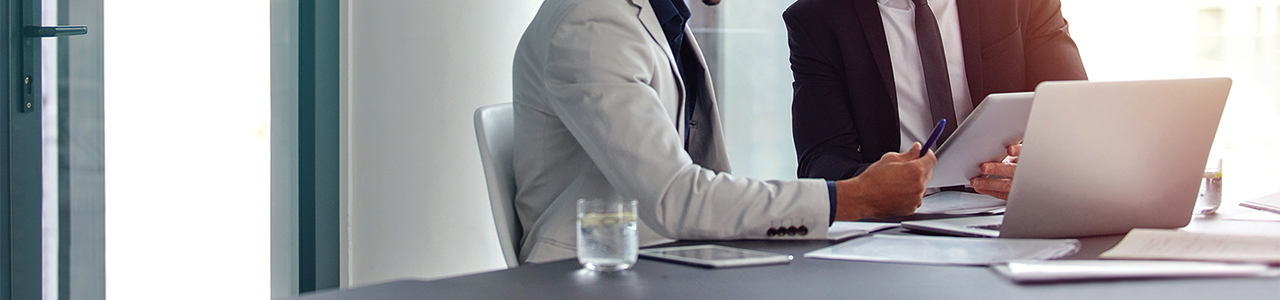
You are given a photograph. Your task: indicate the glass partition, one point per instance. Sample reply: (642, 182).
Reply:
(745, 42)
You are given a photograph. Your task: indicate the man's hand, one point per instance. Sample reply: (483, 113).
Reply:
(892, 186)
(997, 177)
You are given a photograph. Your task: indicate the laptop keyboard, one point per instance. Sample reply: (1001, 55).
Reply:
(995, 227)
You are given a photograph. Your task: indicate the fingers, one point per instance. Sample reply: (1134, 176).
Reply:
(1014, 149)
(910, 154)
(998, 169)
(924, 164)
(891, 157)
(1001, 185)
(929, 160)
(997, 194)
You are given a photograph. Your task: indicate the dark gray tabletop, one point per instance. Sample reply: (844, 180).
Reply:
(803, 278)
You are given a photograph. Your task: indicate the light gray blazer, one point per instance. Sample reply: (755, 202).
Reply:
(598, 113)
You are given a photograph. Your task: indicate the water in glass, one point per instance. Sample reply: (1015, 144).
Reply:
(607, 239)
(1210, 196)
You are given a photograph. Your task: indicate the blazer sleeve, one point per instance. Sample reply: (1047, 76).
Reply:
(822, 120)
(600, 66)
(1051, 54)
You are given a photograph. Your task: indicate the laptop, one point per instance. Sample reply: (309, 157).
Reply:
(1105, 157)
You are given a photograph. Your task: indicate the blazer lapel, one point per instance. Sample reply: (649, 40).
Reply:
(971, 38)
(706, 142)
(650, 22)
(868, 14)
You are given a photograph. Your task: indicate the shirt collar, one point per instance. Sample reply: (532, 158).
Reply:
(665, 10)
(898, 4)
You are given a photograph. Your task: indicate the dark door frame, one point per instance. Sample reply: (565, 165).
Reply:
(318, 179)
(20, 167)
(305, 178)
(316, 143)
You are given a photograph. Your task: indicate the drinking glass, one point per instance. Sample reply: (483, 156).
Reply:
(1210, 188)
(607, 239)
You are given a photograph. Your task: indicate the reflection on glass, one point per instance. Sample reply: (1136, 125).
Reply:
(746, 48)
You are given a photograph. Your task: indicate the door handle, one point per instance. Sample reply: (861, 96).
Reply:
(30, 58)
(54, 31)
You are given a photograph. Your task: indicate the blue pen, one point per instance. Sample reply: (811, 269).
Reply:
(933, 137)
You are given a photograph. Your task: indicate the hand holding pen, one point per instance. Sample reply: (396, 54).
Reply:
(933, 137)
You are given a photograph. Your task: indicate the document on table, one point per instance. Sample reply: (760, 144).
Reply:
(843, 230)
(1077, 270)
(960, 203)
(1256, 216)
(1169, 244)
(1269, 203)
(939, 250)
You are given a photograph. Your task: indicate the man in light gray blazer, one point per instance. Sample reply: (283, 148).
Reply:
(612, 97)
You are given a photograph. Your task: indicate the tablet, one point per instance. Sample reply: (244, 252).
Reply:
(1000, 121)
(715, 256)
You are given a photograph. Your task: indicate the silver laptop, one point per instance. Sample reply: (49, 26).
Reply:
(1105, 157)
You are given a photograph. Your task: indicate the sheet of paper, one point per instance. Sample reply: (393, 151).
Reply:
(1269, 203)
(1142, 243)
(843, 230)
(939, 250)
(1256, 216)
(960, 203)
(1076, 270)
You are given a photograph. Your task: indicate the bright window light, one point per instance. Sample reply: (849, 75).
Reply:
(187, 109)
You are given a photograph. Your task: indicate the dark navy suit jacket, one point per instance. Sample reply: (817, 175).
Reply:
(844, 112)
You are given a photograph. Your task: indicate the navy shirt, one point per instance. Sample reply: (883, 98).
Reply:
(674, 15)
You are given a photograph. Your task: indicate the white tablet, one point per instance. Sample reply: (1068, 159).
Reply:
(1000, 121)
(715, 256)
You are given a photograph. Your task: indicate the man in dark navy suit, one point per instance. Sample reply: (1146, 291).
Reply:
(874, 76)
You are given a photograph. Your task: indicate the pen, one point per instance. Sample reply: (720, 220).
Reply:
(933, 137)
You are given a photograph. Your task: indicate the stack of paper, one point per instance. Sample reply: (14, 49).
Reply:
(1160, 249)
(1169, 244)
(945, 250)
(1269, 203)
(844, 230)
(1076, 270)
(960, 203)
(1257, 215)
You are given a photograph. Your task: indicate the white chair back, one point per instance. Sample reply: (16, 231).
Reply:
(494, 127)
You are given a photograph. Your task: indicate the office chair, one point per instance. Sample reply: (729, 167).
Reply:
(494, 126)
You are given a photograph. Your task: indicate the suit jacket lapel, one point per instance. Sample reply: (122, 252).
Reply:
(868, 14)
(650, 22)
(971, 38)
(706, 142)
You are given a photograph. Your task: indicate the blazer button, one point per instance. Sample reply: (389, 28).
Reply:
(791, 231)
(772, 232)
(804, 230)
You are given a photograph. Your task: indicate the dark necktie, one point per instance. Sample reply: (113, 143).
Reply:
(936, 80)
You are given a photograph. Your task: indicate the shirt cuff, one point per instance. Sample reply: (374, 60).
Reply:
(831, 191)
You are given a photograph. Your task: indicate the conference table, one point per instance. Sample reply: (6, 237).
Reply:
(807, 278)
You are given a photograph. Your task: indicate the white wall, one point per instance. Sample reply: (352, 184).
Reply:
(417, 70)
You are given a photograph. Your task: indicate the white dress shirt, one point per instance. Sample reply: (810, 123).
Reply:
(915, 120)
